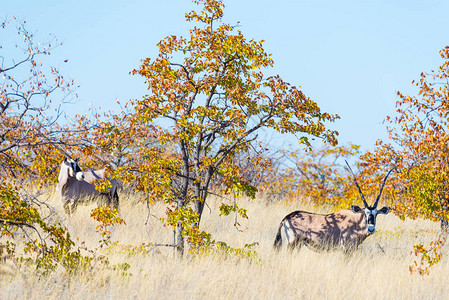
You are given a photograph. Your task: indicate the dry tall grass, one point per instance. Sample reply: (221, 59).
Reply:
(379, 269)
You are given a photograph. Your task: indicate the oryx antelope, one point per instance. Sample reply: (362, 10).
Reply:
(345, 229)
(74, 186)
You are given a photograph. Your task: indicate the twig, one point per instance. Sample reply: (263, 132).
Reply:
(20, 224)
(149, 213)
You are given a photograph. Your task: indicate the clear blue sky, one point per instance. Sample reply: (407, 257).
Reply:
(349, 56)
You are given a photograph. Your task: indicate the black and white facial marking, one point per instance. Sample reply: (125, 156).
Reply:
(74, 168)
(370, 215)
(371, 212)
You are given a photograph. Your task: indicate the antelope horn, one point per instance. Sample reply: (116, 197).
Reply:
(62, 150)
(355, 181)
(382, 187)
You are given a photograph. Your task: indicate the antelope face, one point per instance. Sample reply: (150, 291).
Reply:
(370, 215)
(74, 169)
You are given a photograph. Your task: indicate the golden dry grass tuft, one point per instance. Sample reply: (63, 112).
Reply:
(379, 269)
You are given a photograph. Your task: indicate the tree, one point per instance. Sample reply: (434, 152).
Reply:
(30, 139)
(420, 150)
(30, 97)
(210, 96)
(420, 146)
(319, 176)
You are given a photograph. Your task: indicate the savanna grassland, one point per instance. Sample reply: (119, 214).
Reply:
(212, 96)
(379, 269)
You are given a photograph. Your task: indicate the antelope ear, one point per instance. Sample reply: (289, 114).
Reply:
(356, 209)
(384, 210)
(65, 159)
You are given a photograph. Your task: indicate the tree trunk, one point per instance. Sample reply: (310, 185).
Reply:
(181, 202)
(443, 220)
(201, 193)
(179, 240)
(200, 199)
(198, 208)
(178, 232)
(444, 223)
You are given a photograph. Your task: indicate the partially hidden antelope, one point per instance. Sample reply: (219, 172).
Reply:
(345, 229)
(75, 186)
